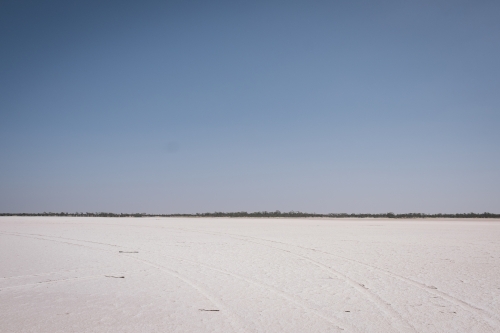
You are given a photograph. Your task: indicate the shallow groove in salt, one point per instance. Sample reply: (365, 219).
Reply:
(62, 274)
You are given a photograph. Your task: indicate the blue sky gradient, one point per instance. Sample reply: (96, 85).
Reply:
(185, 107)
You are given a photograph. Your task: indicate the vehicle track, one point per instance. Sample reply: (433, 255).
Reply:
(267, 287)
(65, 238)
(234, 321)
(290, 298)
(76, 279)
(394, 318)
(36, 275)
(482, 313)
(488, 317)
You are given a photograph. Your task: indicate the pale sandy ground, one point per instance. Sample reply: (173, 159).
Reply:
(262, 275)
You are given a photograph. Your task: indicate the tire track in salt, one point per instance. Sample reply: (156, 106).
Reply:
(51, 240)
(75, 279)
(395, 318)
(280, 293)
(486, 315)
(234, 321)
(16, 277)
(491, 319)
(482, 313)
(36, 275)
(288, 297)
(397, 321)
(65, 238)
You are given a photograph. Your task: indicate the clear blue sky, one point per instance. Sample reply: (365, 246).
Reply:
(196, 106)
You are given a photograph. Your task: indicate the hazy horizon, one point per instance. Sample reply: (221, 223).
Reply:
(192, 107)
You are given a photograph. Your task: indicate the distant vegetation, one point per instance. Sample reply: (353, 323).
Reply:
(266, 214)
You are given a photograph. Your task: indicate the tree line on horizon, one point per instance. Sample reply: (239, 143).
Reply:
(264, 214)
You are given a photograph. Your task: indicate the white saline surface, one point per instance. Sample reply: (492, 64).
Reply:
(62, 274)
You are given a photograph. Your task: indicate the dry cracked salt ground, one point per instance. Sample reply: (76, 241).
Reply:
(62, 274)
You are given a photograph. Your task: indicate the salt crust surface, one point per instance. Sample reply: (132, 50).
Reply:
(62, 274)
